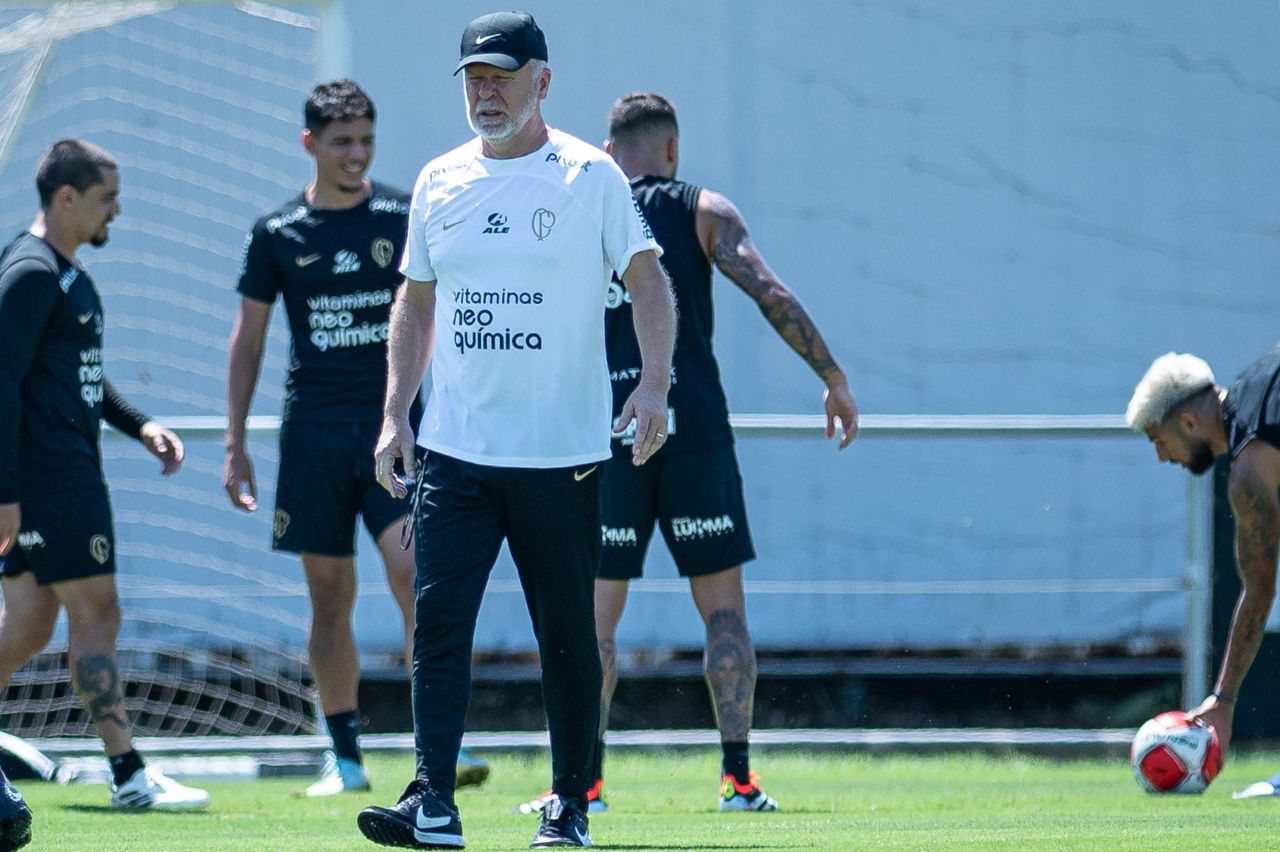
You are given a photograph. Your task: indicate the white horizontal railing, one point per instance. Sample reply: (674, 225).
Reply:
(812, 425)
(1195, 581)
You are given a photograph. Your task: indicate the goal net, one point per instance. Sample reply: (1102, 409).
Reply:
(201, 105)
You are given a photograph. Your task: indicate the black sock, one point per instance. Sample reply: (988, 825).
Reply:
(599, 764)
(125, 766)
(344, 728)
(736, 761)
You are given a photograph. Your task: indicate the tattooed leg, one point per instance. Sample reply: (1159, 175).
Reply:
(729, 661)
(730, 667)
(97, 682)
(93, 622)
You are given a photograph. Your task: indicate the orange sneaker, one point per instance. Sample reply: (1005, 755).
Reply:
(744, 797)
(595, 801)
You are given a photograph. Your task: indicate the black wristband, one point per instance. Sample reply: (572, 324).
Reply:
(1223, 699)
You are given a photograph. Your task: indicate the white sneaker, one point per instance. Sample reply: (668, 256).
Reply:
(151, 788)
(339, 775)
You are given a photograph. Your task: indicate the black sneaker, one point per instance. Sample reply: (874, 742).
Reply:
(15, 817)
(564, 823)
(418, 821)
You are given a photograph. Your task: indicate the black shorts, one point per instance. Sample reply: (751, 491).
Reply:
(64, 536)
(325, 480)
(696, 499)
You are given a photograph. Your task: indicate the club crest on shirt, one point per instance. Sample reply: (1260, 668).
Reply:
(383, 252)
(100, 549)
(542, 223)
(281, 524)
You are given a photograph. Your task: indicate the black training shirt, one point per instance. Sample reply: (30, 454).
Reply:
(699, 413)
(1252, 407)
(51, 383)
(338, 271)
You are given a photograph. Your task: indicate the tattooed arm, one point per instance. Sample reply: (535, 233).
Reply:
(724, 237)
(1253, 492)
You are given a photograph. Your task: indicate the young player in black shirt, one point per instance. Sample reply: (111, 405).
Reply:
(691, 488)
(1191, 421)
(331, 254)
(53, 500)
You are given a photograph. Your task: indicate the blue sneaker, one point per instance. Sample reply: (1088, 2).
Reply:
(472, 771)
(339, 775)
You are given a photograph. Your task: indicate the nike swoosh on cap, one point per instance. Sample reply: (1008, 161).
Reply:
(490, 37)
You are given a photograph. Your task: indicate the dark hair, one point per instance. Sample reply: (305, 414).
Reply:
(71, 162)
(1203, 401)
(337, 100)
(640, 111)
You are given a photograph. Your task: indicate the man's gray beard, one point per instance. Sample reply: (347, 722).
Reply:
(511, 127)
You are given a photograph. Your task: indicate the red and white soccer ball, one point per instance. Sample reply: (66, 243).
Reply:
(1175, 753)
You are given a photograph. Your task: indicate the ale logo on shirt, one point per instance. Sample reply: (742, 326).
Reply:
(497, 224)
(543, 221)
(383, 252)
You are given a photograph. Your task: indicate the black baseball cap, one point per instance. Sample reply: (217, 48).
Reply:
(506, 40)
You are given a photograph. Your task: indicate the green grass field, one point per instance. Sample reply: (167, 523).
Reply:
(831, 800)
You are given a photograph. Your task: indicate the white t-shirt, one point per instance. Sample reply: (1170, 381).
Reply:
(522, 252)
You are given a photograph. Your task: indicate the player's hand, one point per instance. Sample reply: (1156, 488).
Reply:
(839, 403)
(647, 405)
(237, 478)
(164, 445)
(1219, 713)
(10, 523)
(395, 442)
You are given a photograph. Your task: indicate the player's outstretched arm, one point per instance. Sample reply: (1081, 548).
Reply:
(724, 237)
(653, 309)
(244, 364)
(410, 338)
(1252, 490)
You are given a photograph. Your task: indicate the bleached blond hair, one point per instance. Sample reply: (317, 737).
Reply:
(1171, 380)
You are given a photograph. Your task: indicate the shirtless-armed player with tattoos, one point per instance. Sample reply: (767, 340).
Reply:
(691, 487)
(1192, 421)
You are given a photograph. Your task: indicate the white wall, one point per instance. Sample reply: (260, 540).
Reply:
(989, 207)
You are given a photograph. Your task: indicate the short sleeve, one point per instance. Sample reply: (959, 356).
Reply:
(259, 275)
(626, 233)
(416, 263)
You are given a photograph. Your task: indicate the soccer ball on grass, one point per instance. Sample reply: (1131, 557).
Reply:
(1175, 753)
